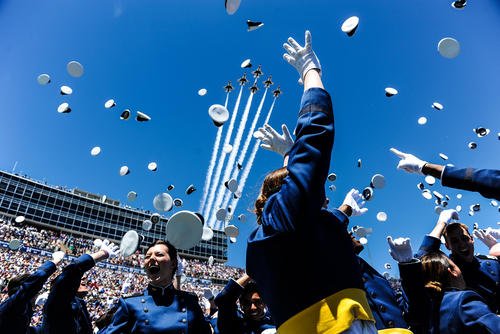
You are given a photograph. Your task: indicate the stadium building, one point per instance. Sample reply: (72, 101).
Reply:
(84, 214)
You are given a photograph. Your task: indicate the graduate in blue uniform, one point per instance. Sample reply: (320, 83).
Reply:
(64, 311)
(254, 318)
(439, 299)
(454, 309)
(17, 310)
(387, 307)
(484, 181)
(295, 230)
(481, 273)
(160, 308)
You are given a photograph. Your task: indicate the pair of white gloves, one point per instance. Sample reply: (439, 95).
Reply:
(400, 248)
(303, 59)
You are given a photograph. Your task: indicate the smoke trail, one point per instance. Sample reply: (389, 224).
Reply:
(232, 156)
(222, 158)
(249, 164)
(244, 150)
(211, 166)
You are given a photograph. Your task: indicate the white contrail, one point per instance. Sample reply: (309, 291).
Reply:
(222, 158)
(232, 156)
(244, 150)
(211, 166)
(249, 164)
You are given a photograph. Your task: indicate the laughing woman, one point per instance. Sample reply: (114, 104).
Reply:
(160, 308)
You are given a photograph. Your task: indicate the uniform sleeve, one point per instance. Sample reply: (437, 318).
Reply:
(66, 284)
(484, 181)
(228, 321)
(412, 281)
(302, 193)
(120, 322)
(29, 289)
(476, 316)
(429, 245)
(200, 323)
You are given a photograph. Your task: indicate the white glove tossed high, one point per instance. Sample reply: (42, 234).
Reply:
(485, 237)
(446, 216)
(302, 58)
(355, 201)
(400, 249)
(273, 141)
(409, 162)
(110, 248)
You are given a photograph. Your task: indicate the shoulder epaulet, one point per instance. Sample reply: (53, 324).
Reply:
(132, 294)
(186, 293)
(486, 257)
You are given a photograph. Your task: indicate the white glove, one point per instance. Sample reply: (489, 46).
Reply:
(58, 256)
(354, 200)
(494, 232)
(446, 216)
(485, 237)
(273, 141)
(302, 58)
(110, 248)
(400, 249)
(409, 162)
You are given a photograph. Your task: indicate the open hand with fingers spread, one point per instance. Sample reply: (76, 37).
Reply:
(273, 141)
(302, 58)
(400, 249)
(355, 201)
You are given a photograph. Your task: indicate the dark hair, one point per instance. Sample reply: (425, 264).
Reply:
(15, 283)
(172, 252)
(450, 228)
(249, 289)
(272, 184)
(436, 274)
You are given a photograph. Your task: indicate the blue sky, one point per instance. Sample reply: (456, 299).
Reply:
(153, 56)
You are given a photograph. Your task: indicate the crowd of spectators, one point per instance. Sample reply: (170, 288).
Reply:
(105, 285)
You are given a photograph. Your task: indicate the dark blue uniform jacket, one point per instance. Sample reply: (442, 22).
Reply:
(484, 181)
(159, 310)
(231, 320)
(16, 311)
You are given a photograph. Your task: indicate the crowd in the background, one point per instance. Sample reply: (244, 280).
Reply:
(105, 285)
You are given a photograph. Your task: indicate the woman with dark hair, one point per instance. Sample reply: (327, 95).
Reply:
(297, 236)
(160, 308)
(453, 308)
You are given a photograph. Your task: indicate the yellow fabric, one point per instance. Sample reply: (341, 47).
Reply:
(394, 331)
(330, 315)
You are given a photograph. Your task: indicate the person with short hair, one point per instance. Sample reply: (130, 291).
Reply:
(17, 310)
(253, 318)
(481, 273)
(160, 308)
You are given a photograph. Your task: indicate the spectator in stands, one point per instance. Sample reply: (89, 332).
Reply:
(64, 310)
(17, 310)
(161, 307)
(253, 318)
